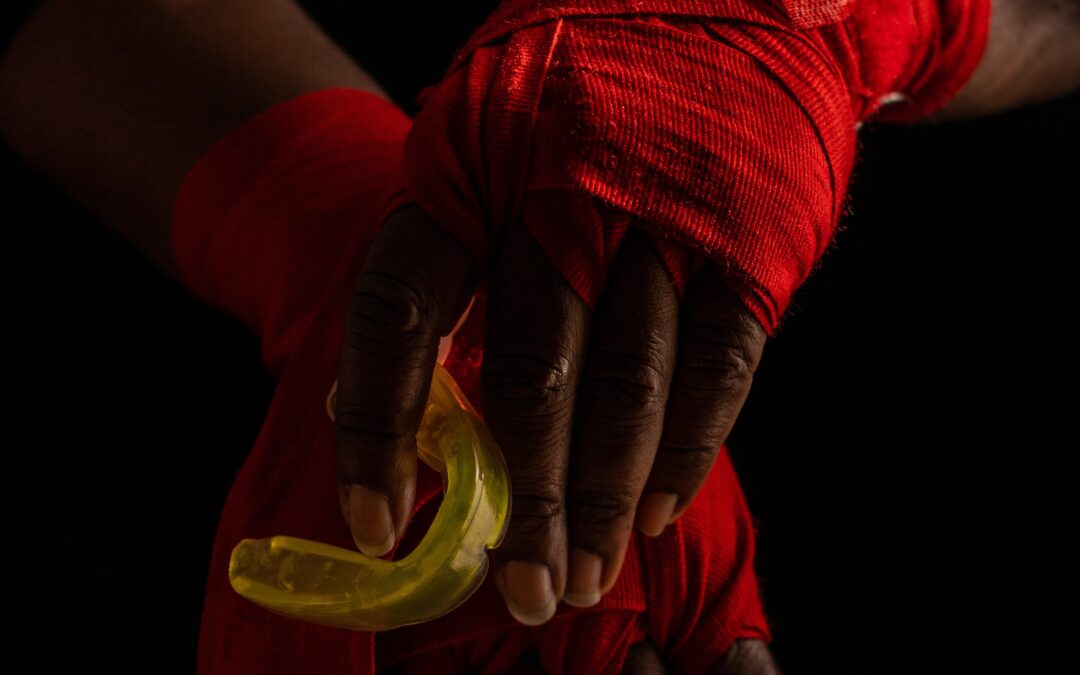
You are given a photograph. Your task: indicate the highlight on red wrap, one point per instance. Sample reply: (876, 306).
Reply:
(727, 126)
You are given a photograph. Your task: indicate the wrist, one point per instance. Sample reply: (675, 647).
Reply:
(322, 159)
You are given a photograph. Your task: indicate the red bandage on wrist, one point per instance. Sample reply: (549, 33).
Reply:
(577, 124)
(727, 126)
(273, 225)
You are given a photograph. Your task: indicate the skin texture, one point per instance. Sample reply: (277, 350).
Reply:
(160, 80)
(590, 411)
(600, 424)
(608, 420)
(164, 81)
(1032, 55)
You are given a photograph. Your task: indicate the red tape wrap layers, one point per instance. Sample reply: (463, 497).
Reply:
(719, 126)
(273, 225)
(274, 221)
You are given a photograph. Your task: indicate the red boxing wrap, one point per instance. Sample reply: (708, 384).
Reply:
(728, 129)
(727, 126)
(273, 225)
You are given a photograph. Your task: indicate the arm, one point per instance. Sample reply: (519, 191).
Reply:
(668, 118)
(1032, 55)
(117, 100)
(47, 72)
(164, 79)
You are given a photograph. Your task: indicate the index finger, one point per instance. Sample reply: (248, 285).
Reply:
(415, 282)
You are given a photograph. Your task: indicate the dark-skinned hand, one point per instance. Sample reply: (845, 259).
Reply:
(607, 420)
(744, 657)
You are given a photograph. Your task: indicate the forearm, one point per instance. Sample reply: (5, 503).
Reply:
(116, 100)
(1032, 55)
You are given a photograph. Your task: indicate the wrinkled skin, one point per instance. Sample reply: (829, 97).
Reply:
(608, 420)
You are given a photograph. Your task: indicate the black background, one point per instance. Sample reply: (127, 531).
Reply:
(902, 433)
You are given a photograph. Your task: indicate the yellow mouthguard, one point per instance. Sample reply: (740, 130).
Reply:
(333, 586)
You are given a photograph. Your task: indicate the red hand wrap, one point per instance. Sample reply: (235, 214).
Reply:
(273, 225)
(275, 221)
(723, 125)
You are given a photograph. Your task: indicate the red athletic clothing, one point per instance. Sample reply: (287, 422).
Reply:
(273, 225)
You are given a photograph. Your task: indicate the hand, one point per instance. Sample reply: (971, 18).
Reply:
(606, 420)
(744, 657)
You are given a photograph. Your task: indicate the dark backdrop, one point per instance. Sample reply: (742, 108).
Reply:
(919, 397)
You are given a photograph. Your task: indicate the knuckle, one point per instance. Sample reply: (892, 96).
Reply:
(535, 513)
(525, 380)
(537, 458)
(600, 510)
(746, 656)
(382, 425)
(623, 387)
(689, 460)
(644, 658)
(711, 366)
(367, 457)
(387, 306)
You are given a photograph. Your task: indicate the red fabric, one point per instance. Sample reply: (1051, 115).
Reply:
(724, 125)
(273, 225)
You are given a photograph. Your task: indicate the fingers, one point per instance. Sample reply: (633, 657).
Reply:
(720, 345)
(644, 659)
(537, 328)
(414, 284)
(620, 414)
(746, 657)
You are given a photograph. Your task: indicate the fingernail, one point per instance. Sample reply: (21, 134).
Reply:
(613, 569)
(530, 596)
(370, 520)
(654, 512)
(583, 588)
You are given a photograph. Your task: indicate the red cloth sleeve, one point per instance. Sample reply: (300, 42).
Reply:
(272, 225)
